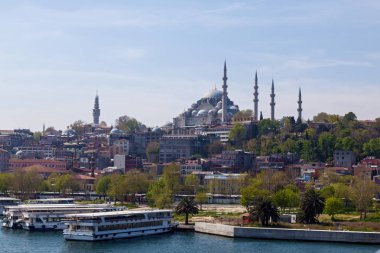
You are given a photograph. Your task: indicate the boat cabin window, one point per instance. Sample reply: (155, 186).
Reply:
(124, 218)
(159, 215)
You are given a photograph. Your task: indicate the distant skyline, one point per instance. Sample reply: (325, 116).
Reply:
(153, 59)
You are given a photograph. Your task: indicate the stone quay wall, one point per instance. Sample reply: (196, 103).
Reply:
(288, 234)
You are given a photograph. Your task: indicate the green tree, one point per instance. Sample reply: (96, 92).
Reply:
(187, 206)
(253, 146)
(267, 126)
(328, 191)
(135, 182)
(251, 195)
(348, 118)
(158, 196)
(201, 198)
(372, 148)
(362, 193)
(116, 189)
(78, 127)
(264, 211)
(238, 135)
(192, 181)
(326, 146)
(286, 198)
(152, 151)
(307, 150)
(327, 118)
(312, 205)
(128, 125)
(45, 186)
(333, 206)
(341, 191)
(67, 184)
(171, 178)
(26, 182)
(37, 135)
(243, 114)
(5, 182)
(102, 185)
(289, 146)
(216, 147)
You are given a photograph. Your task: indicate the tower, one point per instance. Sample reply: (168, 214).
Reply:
(272, 103)
(256, 99)
(299, 119)
(224, 96)
(96, 110)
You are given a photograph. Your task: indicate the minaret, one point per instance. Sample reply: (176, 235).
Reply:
(43, 129)
(261, 116)
(272, 103)
(224, 97)
(256, 99)
(96, 110)
(299, 119)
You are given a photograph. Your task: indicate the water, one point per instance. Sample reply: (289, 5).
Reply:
(178, 242)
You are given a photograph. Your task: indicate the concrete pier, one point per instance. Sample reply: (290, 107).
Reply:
(288, 234)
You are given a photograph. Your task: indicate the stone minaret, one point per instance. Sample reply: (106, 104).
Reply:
(224, 97)
(299, 119)
(96, 110)
(272, 103)
(256, 100)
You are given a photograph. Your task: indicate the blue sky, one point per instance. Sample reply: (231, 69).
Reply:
(153, 59)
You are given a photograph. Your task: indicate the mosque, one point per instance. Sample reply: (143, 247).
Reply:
(216, 108)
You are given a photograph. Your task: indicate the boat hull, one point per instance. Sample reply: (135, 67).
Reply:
(115, 235)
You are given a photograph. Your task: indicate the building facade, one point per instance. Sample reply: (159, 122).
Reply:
(4, 160)
(344, 158)
(175, 147)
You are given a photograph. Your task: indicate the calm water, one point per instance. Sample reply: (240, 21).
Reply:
(178, 242)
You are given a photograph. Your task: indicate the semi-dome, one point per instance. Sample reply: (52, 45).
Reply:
(19, 153)
(220, 111)
(156, 129)
(219, 105)
(214, 93)
(202, 113)
(194, 113)
(212, 112)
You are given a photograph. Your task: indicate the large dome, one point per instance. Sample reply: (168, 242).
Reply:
(214, 93)
(116, 131)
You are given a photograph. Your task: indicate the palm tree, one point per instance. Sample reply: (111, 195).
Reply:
(312, 205)
(264, 211)
(187, 206)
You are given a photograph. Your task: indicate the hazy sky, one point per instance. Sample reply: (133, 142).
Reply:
(153, 59)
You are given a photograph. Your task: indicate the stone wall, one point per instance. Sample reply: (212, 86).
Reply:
(288, 234)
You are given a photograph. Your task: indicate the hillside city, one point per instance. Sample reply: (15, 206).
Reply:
(212, 151)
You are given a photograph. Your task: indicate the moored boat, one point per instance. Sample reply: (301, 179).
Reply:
(119, 224)
(6, 201)
(46, 217)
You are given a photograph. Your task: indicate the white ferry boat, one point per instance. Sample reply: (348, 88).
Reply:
(46, 217)
(6, 201)
(115, 225)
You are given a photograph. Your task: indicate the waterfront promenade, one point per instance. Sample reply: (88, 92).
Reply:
(288, 234)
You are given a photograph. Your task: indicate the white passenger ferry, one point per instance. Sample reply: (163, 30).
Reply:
(46, 217)
(114, 225)
(6, 201)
